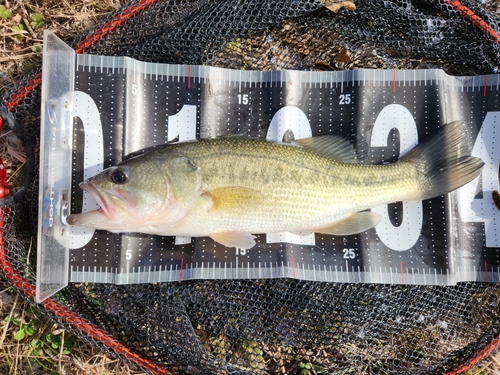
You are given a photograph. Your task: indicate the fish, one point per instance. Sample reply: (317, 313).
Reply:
(231, 188)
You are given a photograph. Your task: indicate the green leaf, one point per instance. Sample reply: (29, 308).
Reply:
(19, 335)
(30, 330)
(4, 12)
(13, 320)
(20, 30)
(69, 342)
(54, 341)
(37, 21)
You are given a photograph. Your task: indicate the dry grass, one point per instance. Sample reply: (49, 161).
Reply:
(32, 344)
(29, 342)
(22, 31)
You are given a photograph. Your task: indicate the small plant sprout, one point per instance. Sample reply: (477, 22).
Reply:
(37, 21)
(5, 13)
(19, 30)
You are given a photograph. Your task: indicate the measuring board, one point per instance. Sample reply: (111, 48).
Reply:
(117, 107)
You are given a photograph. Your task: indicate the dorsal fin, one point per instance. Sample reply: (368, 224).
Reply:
(333, 146)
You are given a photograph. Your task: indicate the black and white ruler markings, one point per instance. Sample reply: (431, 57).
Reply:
(122, 106)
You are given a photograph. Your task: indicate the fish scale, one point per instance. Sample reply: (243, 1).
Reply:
(306, 168)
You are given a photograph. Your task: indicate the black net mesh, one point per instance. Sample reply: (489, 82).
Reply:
(287, 326)
(276, 326)
(306, 35)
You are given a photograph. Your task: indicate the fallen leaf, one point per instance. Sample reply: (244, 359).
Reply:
(349, 5)
(343, 56)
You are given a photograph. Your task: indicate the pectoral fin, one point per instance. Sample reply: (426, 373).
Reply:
(356, 223)
(234, 197)
(242, 240)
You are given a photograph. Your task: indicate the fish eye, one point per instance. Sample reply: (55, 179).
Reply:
(118, 176)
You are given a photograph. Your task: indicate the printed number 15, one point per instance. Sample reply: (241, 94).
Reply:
(243, 99)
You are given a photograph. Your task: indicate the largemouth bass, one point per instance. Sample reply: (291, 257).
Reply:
(229, 188)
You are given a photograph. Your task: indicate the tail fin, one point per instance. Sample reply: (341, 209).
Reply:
(443, 161)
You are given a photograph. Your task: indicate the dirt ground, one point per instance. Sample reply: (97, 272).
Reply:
(29, 342)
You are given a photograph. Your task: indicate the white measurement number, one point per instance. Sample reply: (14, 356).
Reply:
(349, 253)
(344, 99)
(243, 99)
(241, 251)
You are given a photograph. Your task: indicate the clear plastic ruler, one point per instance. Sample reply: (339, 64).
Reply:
(120, 106)
(55, 165)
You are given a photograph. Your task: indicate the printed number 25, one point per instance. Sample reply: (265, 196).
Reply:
(349, 253)
(345, 99)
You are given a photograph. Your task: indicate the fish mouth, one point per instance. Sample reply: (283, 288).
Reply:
(110, 203)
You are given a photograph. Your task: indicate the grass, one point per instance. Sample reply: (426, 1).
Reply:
(29, 342)
(32, 344)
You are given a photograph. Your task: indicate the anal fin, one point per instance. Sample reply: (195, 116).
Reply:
(241, 240)
(356, 223)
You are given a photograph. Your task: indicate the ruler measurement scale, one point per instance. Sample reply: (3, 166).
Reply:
(213, 90)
